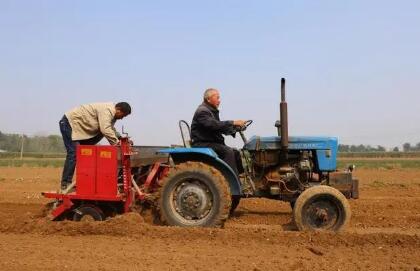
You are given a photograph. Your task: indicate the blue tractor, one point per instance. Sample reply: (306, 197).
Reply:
(200, 189)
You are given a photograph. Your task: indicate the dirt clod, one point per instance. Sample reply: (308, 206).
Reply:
(316, 251)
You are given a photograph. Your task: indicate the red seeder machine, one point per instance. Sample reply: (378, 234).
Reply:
(104, 184)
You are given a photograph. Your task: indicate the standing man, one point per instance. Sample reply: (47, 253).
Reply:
(87, 125)
(207, 130)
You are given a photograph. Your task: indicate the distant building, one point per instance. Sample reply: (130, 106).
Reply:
(2, 151)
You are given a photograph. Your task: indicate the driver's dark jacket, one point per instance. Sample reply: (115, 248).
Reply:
(206, 126)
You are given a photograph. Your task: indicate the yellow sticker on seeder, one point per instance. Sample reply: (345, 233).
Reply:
(105, 154)
(86, 152)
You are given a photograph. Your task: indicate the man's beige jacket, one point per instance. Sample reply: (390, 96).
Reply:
(90, 120)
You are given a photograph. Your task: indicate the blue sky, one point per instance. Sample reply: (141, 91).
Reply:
(353, 67)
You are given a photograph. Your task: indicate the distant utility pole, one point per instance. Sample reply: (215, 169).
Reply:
(21, 147)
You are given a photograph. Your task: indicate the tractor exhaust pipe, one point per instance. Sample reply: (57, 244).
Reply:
(284, 124)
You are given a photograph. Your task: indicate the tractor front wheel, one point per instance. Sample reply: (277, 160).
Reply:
(321, 208)
(194, 195)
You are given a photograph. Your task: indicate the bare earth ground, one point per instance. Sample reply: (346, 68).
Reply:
(384, 233)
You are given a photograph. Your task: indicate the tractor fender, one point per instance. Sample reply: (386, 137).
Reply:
(209, 157)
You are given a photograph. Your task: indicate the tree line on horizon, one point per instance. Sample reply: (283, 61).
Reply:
(36, 144)
(406, 147)
(54, 144)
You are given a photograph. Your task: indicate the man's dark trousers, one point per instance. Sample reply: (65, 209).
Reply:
(231, 156)
(70, 163)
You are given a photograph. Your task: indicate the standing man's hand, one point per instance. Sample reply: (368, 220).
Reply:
(240, 123)
(129, 142)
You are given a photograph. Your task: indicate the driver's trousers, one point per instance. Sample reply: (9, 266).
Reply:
(231, 156)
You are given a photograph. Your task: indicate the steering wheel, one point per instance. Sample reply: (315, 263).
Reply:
(246, 125)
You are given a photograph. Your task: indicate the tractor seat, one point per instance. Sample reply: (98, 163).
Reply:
(185, 129)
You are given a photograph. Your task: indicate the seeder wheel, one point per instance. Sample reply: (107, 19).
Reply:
(88, 213)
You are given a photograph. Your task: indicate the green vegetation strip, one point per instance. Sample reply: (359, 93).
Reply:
(381, 164)
(379, 155)
(16, 155)
(32, 163)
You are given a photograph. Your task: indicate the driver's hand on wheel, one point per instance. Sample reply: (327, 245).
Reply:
(240, 123)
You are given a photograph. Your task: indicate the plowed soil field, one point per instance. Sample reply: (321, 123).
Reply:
(384, 233)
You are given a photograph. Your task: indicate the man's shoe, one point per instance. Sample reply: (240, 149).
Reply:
(63, 188)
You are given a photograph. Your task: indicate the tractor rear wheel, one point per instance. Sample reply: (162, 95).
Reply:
(88, 213)
(194, 195)
(321, 208)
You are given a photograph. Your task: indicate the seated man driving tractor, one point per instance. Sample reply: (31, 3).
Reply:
(207, 130)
